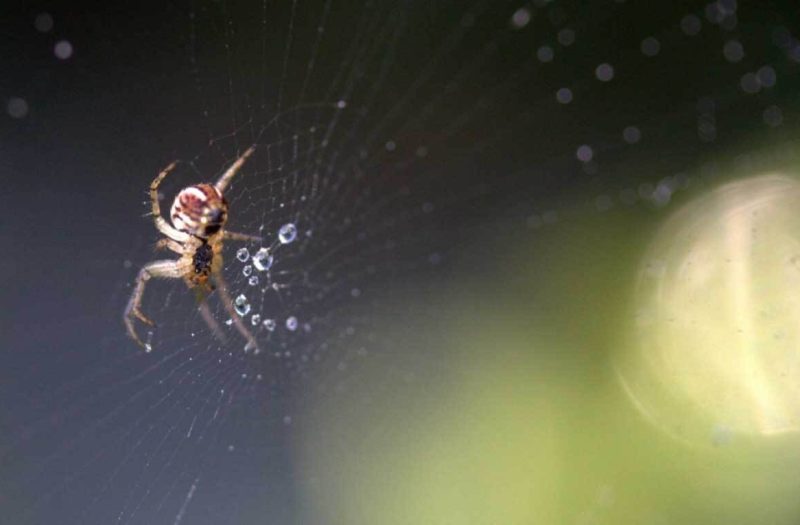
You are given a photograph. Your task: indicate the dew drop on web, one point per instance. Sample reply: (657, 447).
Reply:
(241, 305)
(287, 233)
(262, 259)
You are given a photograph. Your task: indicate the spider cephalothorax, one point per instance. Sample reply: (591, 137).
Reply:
(198, 216)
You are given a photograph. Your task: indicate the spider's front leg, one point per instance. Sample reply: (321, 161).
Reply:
(155, 208)
(162, 269)
(226, 177)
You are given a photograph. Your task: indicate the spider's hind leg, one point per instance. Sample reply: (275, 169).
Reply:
(163, 269)
(201, 296)
(227, 303)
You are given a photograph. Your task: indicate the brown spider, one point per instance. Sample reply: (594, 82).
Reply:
(197, 232)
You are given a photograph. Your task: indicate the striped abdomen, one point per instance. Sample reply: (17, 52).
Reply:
(199, 210)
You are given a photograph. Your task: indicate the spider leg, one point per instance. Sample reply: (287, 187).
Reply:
(226, 177)
(201, 295)
(164, 269)
(161, 224)
(234, 236)
(169, 244)
(227, 303)
(208, 317)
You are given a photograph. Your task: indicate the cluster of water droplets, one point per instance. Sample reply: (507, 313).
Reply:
(262, 261)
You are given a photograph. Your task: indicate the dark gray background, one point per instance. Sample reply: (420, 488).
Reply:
(83, 408)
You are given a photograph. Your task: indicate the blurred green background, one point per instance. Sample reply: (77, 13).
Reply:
(559, 404)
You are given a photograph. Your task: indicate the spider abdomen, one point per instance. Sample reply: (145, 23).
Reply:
(200, 210)
(202, 259)
(202, 265)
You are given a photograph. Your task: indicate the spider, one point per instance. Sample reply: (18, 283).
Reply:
(197, 233)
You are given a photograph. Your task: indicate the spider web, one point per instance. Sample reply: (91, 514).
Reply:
(395, 141)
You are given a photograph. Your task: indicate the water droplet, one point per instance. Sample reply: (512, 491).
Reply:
(43, 22)
(255, 319)
(733, 51)
(520, 18)
(269, 324)
(247, 270)
(241, 305)
(584, 153)
(253, 280)
(17, 107)
(262, 260)
(631, 134)
(650, 46)
(604, 72)
(690, 25)
(766, 76)
(545, 54)
(291, 323)
(749, 83)
(148, 348)
(287, 233)
(63, 49)
(566, 37)
(242, 254)
(662, 193)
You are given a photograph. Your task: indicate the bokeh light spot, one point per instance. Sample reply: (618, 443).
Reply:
(716, 327)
